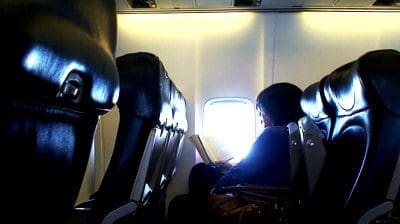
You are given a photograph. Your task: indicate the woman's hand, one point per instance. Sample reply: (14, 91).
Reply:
(223, 165)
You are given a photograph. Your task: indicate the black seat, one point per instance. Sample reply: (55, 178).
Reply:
(58, 74)
(176, 136)
(357, 109)
(149, 139)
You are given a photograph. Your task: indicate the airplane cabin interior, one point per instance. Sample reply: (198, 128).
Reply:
(100, 98)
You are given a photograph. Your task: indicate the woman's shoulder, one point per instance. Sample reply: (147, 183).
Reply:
(273, 134)
(275, 130)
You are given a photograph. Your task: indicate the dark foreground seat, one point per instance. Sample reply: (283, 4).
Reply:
(149, 139)
(357, 108)
(58, 75)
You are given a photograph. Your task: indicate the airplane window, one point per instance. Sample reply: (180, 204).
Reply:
(229, 127)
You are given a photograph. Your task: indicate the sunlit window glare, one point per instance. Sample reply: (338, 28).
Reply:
(229, 127)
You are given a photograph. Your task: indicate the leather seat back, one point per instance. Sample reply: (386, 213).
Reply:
(59, 75)
(357, 108)
(152, 124)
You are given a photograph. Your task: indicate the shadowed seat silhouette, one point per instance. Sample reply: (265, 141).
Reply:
(58, 74)
(151, 130)
(357, 109)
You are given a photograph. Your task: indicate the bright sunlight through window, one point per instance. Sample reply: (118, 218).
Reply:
(229, 127)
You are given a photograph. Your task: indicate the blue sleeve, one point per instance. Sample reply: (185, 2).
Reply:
(267, 163)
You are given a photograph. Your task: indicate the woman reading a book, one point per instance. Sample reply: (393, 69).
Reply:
(268, 162)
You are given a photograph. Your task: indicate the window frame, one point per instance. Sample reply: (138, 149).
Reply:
(238, 100)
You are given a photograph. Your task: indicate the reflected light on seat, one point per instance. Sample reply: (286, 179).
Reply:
(47, 64)
(56, 140)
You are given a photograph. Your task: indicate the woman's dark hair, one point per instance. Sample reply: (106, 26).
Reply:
(281, 101)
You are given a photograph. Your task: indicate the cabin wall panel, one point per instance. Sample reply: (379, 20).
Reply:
(311, 45)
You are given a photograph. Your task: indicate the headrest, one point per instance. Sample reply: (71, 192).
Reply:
(146, 90)
(380, 72)
(312, 103)
(57, 53)
(373, 79)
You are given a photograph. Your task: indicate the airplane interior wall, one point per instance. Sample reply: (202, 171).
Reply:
(211, 55)
(311, 45)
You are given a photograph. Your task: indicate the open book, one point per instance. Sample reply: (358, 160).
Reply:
(208, 155)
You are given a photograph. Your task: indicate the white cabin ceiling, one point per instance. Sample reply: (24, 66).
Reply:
(257, 5)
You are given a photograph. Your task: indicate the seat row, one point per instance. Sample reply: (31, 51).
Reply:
(351, 142)
(150, 134)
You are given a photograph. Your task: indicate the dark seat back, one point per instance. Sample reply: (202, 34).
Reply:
(358, 110)
(58, 75)
(176, 135)
(152, 126)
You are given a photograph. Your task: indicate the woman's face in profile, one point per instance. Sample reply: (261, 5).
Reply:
(264, 118)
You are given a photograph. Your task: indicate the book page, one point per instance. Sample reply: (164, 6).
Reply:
(195, 139)
(216, 150)
(206, 153)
